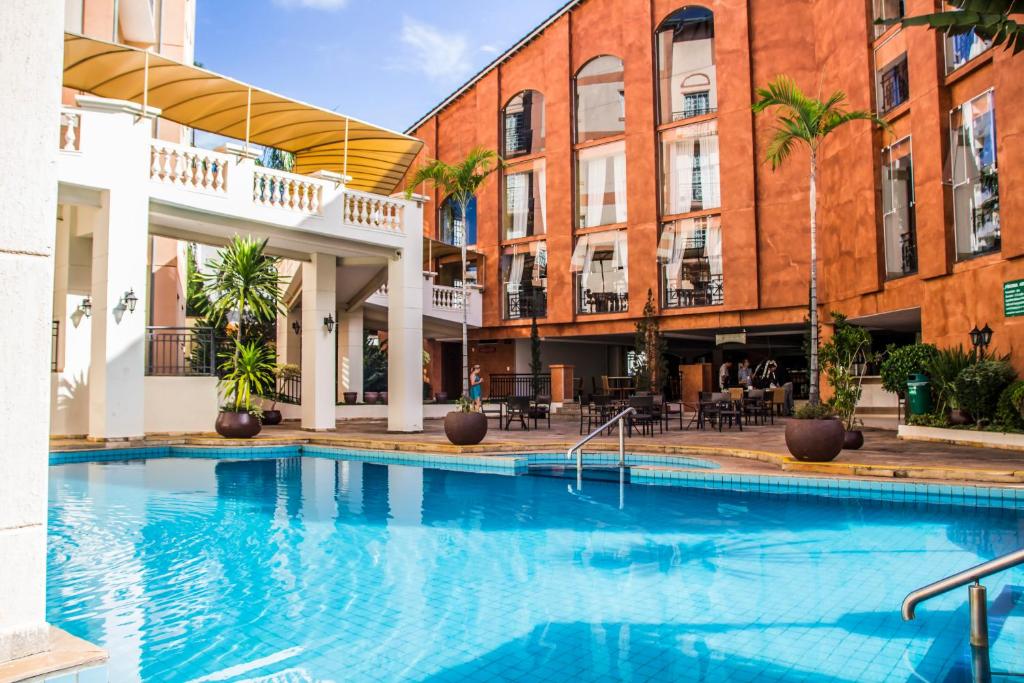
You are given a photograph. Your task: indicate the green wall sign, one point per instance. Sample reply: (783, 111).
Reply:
(1013, 298)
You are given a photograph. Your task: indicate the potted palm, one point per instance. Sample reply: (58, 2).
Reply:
(841, 357)
(248, 374)
(465, 426)
(807, 121)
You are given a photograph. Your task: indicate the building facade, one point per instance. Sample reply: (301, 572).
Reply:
(635, 168)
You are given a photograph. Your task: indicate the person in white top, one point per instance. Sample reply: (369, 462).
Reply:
(723, 375)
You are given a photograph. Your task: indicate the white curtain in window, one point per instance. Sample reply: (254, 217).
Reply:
(620, 253)
(596, 171)
(515, 272)
(713, 247)
(519, 196)
(580, 261)
(709, 170)
(540, 225)
(682, 197)
(619, 171)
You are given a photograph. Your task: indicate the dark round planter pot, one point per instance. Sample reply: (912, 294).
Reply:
(349, 397)
(237, 425)
(852, 440)
(383, 397)
(465, 429)
(959, 417)
(371, 397)
(272, 417)
(815, 440)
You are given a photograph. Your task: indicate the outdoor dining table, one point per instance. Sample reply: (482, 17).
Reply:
(621, 387)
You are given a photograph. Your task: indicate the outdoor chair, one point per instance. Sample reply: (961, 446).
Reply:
(494, 410)
(730, 409)
(595, 413)
(758, 407)
(669, 410)
(644, 416)
(778, 399)
(540, 409)
(517, 408)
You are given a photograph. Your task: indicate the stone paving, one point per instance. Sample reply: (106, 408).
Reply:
(755, 449)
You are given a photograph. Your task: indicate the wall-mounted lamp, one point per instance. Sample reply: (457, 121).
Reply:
(86, 307)
(980, 339)
(329, 323)
(297, 327)
(129, 300)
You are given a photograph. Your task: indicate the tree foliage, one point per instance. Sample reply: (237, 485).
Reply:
(849, 346)
(999, 21)
(649, 346)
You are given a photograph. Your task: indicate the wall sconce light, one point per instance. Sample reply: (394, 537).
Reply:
(129, 300)
(86, 307)
(297, 327)
(980, 339)
(329, 323)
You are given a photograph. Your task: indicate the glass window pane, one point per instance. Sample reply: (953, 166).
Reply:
(690, 259)
(600, 99)
(962, 48)
(449, 224)
(975, 177)
(686, 65)
(524, 280)
(898, 218)
(524, 124)
(690, 168)
(887, 10)
(600, 264)
(525, 202)
(893, 83)
(601, 185)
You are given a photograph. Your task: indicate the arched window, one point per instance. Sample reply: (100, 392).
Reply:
(600, 99)
(449, 224)
(686, 64)
(524, 124)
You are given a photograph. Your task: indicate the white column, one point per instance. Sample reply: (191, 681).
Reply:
(30, 49)
(405, 328)
(350, 353)
(318, 356)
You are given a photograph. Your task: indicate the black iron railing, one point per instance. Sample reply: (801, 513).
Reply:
(526, 304)
(601, 302)
(180, 352)
(519, 384)
(707, 291)
(54, 345)
(895, 86)
(289, 389)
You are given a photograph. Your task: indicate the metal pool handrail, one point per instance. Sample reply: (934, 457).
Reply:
(578, 446)
(976, 601)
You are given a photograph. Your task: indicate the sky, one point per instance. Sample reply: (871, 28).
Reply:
(387, 62)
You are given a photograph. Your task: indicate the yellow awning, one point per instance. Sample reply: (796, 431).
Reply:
(377, 158)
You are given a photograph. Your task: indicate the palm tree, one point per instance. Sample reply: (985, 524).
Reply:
(998, 21)
(244, 280)
(459, 182)
(805, 120)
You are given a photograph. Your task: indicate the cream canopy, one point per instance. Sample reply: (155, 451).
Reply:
(375, 157)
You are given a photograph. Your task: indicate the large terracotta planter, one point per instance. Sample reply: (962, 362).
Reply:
(465, 429)
(349, 397)
(815, 440)
(272, 417)
(237, 425)
(852, 440)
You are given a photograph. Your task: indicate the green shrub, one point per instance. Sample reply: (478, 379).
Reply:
(942, 369)
(902, 361)
(1008, 408)
(821, 411)
(929, 420)
(978, 387)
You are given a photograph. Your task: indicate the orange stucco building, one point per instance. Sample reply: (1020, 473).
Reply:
(635, 164)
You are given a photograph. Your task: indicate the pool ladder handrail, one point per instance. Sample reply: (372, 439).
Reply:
(977, 604)
(578, 446)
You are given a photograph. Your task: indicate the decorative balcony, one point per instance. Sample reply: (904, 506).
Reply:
(441, 302)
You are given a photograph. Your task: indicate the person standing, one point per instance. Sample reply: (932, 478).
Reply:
(476, 387)
(723, 375)
(744, 374)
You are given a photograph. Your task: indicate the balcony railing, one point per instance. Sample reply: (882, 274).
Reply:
(180, 352)
(289, 389)
(602, 302)
(518, 384)
(446, 298)
(70, 124)
(189, 167)
(895, 86)
(526, 304)
(692, 293)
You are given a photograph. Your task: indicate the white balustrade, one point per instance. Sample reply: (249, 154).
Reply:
(189, 167)
(70, 131)
(372, 211)
(446, 298)
(287, 191)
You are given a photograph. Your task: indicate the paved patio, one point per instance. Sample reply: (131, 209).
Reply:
(756, 449)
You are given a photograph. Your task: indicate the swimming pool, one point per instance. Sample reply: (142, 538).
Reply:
(316, 568)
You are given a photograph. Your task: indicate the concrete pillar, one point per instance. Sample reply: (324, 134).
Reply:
(319, 301)
(405, 329)
(562, 383)
(69, 398)
(30, 49)
(350, 353)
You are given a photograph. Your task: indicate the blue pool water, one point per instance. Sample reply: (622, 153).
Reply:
(317, 569)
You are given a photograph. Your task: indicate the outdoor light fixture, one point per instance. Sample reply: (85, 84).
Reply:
(329, 322)
(980, 339)
(129, 300)
(86, 307)
(297, 327)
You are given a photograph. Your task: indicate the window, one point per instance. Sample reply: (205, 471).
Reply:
(893, 85)
(600, 99)
(601, 185)
(975, 177)
(449, 224)
(962, 48)
(600, 264)
(887, 11)
(689, 168)
(524, 124)
(690, 257)
(898, 225)
(524, 280)
(525, 210)
(686, 65)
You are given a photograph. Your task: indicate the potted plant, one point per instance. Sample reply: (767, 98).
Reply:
(465, 427)
(979, 386)
(942, 368)
(901, 362)
(248, 373)
(375, 369)
(841, 356)
(281, 371)
(815, 435)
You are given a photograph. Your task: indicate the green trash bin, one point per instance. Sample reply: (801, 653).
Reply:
(919, 394)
